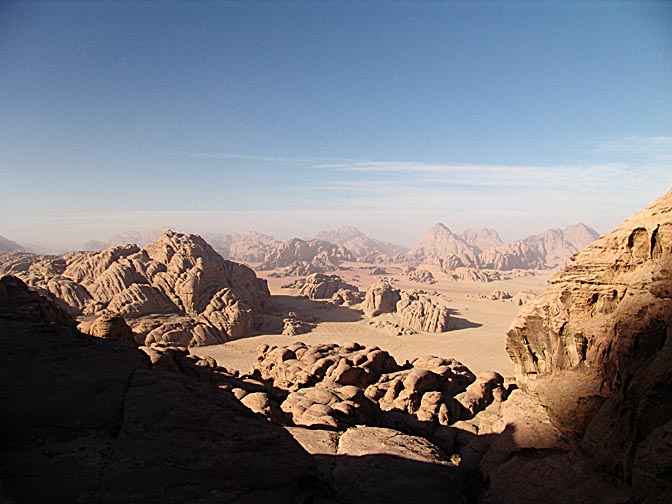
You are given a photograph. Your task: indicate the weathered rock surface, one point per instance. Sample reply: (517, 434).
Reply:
(177, 290)
(521, 298)
(595, 351)
(381, 297)
(319, 286)
(420, 275)
(89, 422)
(423, 312)
(114, 328)
(482, 240)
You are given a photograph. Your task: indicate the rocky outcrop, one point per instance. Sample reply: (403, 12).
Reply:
(594, 351)
(113, 328)
(90, 422)
(381, 297)
(415, 309)
(319, 286)
(523, 297)
(177, 290)
(423, 312)
(420, 275)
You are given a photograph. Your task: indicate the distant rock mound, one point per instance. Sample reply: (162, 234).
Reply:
(362, 247)
(420, 275)
(380, 298)
(247, 247)
(177, 290)
(318, 253)
(319, 286)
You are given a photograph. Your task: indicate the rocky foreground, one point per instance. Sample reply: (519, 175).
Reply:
(586, 419)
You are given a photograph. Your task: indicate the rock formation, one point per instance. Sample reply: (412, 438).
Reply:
(423, 312)
(177, 289)
(381, 297)
(593, 352)
(319, 286)
(419, 275)
(415, 309)
(90, 422)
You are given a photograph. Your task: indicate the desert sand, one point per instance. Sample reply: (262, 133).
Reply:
(479, 342)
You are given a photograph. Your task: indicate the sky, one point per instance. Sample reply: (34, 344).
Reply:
(293, 117)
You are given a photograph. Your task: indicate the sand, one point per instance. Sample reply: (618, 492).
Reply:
(480, 345)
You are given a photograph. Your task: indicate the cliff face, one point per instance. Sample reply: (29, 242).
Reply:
(595, 349)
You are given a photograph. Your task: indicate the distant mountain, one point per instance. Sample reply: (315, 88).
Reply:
(483, 240)
(248, 247)
(7, 245)
(549, 249)
(485, 250)
(139, 238)
(321, 255)
(444, 248)
(362, 247)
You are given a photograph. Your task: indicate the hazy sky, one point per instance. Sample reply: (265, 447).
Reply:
(293, 117)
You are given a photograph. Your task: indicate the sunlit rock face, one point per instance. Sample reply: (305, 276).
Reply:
(176, 290)
(595, 349)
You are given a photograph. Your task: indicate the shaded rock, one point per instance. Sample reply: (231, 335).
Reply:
(89, 423)
(420, 276)
(114, 328)
(521, 298)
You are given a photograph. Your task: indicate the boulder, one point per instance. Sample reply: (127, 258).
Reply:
(381, 297)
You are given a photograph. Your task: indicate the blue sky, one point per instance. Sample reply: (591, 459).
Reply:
(291, 117)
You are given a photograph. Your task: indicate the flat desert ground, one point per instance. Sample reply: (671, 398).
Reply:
(479, 342)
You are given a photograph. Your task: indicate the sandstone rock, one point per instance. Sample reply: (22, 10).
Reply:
(488, 387)
(319, 286)
(441, 247)
(330, 406)
(388, 466)
(347, 297)
(381, 297)
(486, 238)
(321, 254)
(423, 312)
(420, 276)
(595, 349)
(392, 328)
(497, 295)
(178, 275)
(521, 298)
(114, 328)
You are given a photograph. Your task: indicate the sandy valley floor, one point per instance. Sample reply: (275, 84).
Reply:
(480, 345)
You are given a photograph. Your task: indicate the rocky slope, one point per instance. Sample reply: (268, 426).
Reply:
(482, 240)
(176, 290)
(441, 247)
(594, 351)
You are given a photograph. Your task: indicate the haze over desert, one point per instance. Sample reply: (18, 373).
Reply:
(335, 252)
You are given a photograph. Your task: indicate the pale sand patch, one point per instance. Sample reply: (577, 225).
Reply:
(480, 348)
